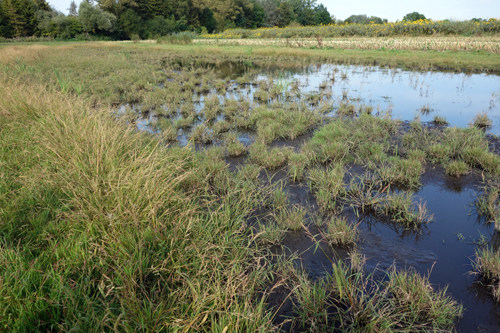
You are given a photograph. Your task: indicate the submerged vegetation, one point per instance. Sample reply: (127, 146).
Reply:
(147, 190)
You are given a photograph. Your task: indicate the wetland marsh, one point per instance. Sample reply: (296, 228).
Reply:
(193, 189)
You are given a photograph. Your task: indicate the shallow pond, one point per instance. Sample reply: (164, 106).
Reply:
(456, 96)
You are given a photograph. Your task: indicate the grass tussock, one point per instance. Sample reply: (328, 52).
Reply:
(291, 217)
(269, 158)
(357, 303)
(487, 266)
(488, 206)
(233, 146)
(457, 169)
(327, 184)
(339, 232)
(481, 120)
(400, 207)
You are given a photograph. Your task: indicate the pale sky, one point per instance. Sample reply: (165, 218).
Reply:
(390, 9)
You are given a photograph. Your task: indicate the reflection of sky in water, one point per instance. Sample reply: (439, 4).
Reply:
(457, 97)
(440, 250)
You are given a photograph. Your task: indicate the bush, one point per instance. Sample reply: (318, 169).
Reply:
(135, 38)
(182, 38)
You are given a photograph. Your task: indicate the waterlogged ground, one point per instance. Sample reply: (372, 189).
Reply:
(456, 97)
(444, 248)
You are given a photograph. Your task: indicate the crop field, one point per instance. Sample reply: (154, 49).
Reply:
(423, 28)
(467, 44)
(211, 188)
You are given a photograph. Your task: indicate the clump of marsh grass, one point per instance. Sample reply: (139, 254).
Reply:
(402, 171)
(221, 126)
(487, 266)
(312, 303)
(438, 120)
(297, 163)
(268, 158)
(270, 233)
(168, 130)
(291, 217)
(327, 184)
(426, 109)
(481, 120)
(488, 205)
(233, 145)
(457, 168)
(323, 152)
(279, 199)
(356, 260)
(418, 155)
(346, 109)
(400, 208)
(416, 124)
(185, 122)
(438, 153)
(365, 193)
(339, 232)
(413, 296)
(370, 152)
(201, 133)
(353, 302)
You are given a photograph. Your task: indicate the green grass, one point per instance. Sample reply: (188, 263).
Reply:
(457, 169)
(357, 303)
(297, 163)
(487, 266)
(233, 145)
(400, 207)
(269, 158)
(327, 185)
(98, 218)
(488, 206)
(481, 120)
(292, 218)
(438, 120)
(339, 232)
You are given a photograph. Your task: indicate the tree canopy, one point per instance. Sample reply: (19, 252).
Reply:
(120, 19)
(415, 16)
(364, 19)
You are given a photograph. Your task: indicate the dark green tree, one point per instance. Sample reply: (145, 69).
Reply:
(94, 19)
(321, 15)
(286, 14)
(415, 16)
(258, 16)
(363, 19)
(73, 9)
(14, 22)
(207, 19)
(132, 23)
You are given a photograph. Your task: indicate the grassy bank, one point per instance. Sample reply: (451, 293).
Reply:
(104, 228)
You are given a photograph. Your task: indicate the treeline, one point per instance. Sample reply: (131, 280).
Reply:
(129, 19)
